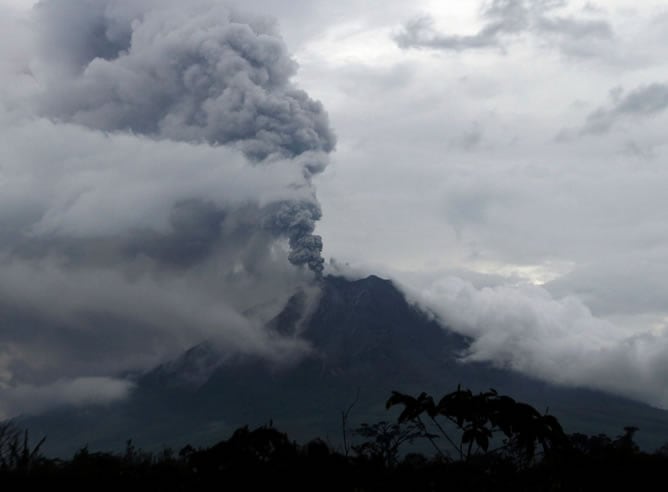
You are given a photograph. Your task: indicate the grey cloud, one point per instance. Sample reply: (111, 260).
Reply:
(501, 17)
(152, 185)
(195, 227)
(639, 151)
(505, 18)
(575, 28)
(641, 102)
(419, 279)
(622, 285)
(471, 139)
(33, 399)
(120, 218)
(644, 100)
(420, 33)
(106, 320)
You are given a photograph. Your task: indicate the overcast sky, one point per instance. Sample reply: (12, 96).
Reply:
(504, 161)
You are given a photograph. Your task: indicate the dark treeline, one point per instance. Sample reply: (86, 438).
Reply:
(466, 441)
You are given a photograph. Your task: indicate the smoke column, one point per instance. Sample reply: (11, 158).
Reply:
(156, 191)
(195, 73)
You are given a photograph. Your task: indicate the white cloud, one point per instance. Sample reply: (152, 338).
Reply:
(524, 328)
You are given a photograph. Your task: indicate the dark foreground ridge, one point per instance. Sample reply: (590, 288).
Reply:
(369, 342)
(481, 442)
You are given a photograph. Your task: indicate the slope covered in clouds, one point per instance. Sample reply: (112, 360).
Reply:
(522, 140)
(527, 329)
(156, 190)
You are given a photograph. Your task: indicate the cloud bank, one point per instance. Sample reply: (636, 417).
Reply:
(63, 393)
(526, 328)
(156, 190)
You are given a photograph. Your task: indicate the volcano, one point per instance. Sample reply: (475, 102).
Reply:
(367, 341)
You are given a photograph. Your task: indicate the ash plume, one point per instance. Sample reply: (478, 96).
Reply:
(188, 73)
(157, 167)
(196, 73)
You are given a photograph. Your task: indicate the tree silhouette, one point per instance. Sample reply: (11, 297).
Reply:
(384, 440)
(479, 419)
(500, 444)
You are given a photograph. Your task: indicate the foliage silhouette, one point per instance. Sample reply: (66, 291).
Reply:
(16, 454)
(479, 419)
(384, 440)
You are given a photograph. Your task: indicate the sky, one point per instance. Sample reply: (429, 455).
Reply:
(502, 161)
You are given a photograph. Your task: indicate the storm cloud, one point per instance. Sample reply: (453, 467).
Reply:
(157, 165)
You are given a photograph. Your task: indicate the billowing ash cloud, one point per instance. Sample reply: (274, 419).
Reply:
(155, 189)
(195, 73)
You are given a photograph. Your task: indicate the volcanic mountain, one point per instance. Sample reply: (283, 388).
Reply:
(367, 339)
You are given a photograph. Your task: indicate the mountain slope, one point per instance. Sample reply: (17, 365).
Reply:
(368, 341)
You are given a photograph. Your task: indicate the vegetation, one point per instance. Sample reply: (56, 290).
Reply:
(478, 419)
(482, 441)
